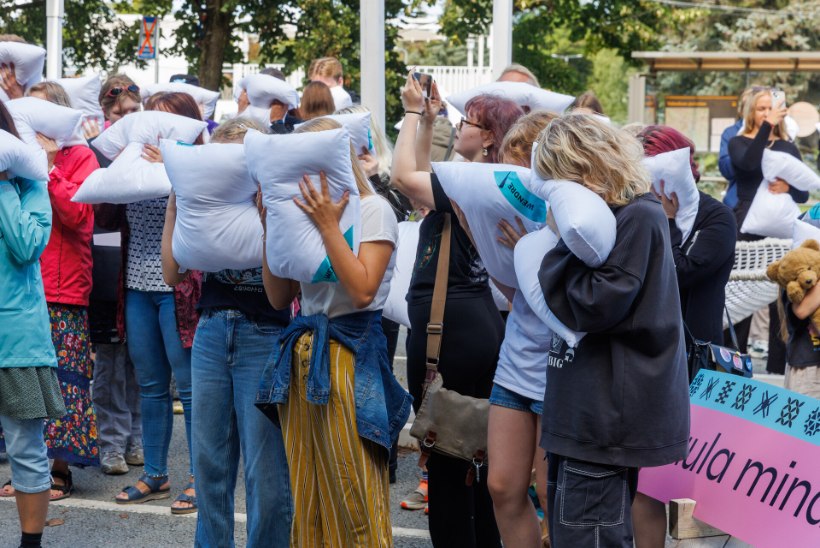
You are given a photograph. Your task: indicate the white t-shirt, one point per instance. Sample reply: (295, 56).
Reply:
(522, 360)
(341, 98)
(378, 225)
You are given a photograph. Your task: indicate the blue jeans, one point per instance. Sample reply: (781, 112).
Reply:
(229, 355)
(27, 454)
(503, 397)
(155, 349)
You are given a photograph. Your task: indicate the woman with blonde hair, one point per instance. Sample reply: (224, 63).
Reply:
(338, 451)
(620, 400)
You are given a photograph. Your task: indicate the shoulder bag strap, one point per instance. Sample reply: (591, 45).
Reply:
(731, 329)
(435, 327)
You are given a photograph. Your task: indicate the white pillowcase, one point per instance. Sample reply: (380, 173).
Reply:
(205, 98)
(802, 231)
(130, 178)
(20, 159)
(487, 193)
(28, 61)
(529, 253)
(524, 95)
(675, 170)
(358, 125)
(770, 214)
(295, 249)
(147, 127)
(395, 307)
(782, 165)
(33, 116)
(263, 89)
(84, 93)
(217, 224)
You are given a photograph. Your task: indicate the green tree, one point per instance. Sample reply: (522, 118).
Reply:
(610, 82)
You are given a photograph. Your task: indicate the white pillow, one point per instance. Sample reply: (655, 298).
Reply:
(147, 127)
(84, 93)
(358, 125)
(20, 159)
(675, 170)
(217, 224)
(205, 98)
(130, 178)
(487, 193)
(295, 249)
(395, 307)
(529, 253)
(585, 222)
(33, 116)
(770, 214)
(802, 231)
(782, 165)
(263, 89)
(524, 95)
(28, 61)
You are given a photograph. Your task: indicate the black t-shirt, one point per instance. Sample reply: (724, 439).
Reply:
(240, 290)
(467, 275)
(803, 348)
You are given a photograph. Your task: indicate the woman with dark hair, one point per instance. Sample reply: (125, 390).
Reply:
(460, 515)
(29, 389)
(160, 321)
(316, 101)
(703, 263)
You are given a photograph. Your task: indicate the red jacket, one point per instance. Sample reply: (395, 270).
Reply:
(66, 261)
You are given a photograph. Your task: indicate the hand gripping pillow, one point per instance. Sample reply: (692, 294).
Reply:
(217, 224)
(295, 249)
(28, 61)
(487, 193)
(358, 125)
(33, 116)
(130, 178)
(395, 307)
(675, 170)
(770, 214)
(782, 165)
(524, 95)
(21, 159)
(802, 231)
(529, 252)
(84, 93)
(205, 98)
(263, 89)
(147, 128)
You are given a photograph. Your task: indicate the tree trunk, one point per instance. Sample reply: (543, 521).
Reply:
(217, 32)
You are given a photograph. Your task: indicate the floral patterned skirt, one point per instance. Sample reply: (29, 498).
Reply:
(73, 437)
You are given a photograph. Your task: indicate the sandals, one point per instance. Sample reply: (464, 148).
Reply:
(189, 499)
(3, 490)
(156, 491)
(64, 490)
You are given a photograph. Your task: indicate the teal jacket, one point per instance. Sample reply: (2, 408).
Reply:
(25, 225)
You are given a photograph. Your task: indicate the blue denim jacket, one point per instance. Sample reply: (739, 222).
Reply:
(382, 405)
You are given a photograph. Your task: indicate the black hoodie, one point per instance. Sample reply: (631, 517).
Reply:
(621, 398)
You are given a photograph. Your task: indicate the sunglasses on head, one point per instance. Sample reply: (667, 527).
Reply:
(469, 123)
(114, 92)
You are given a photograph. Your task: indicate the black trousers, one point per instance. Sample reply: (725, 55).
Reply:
(776, 362)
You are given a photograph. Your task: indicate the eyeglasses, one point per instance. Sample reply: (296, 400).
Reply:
(114, 92)
(469, 123)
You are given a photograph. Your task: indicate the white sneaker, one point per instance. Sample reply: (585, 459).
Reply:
(134, 455)
(113, 464)
(759, 350)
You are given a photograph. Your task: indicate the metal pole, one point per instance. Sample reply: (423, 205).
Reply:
(371, 16)
(502, 36)
(637, 99)
(156, 56)
(55, 11)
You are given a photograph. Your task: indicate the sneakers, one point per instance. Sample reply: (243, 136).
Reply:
(759, 350)
(417, 499)
(178, 410)
(113, 464)
(134, 455)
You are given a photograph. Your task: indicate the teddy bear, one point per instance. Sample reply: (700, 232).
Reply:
(797, 272)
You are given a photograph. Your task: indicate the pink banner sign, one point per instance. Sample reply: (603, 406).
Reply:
(754, 462)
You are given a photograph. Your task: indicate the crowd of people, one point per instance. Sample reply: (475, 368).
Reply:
(295, 378)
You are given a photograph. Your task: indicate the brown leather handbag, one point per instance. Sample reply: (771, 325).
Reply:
(448, 422)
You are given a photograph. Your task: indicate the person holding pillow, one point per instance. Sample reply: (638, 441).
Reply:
(160, 321)
(620, 400)
(460, 515)
(703, 263)
(339, 477)
(225, 378)
(66, 270)
(316, 101)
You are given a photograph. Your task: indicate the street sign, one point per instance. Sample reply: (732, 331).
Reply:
(149, 38)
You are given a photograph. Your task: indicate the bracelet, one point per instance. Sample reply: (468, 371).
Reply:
(413, 112)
